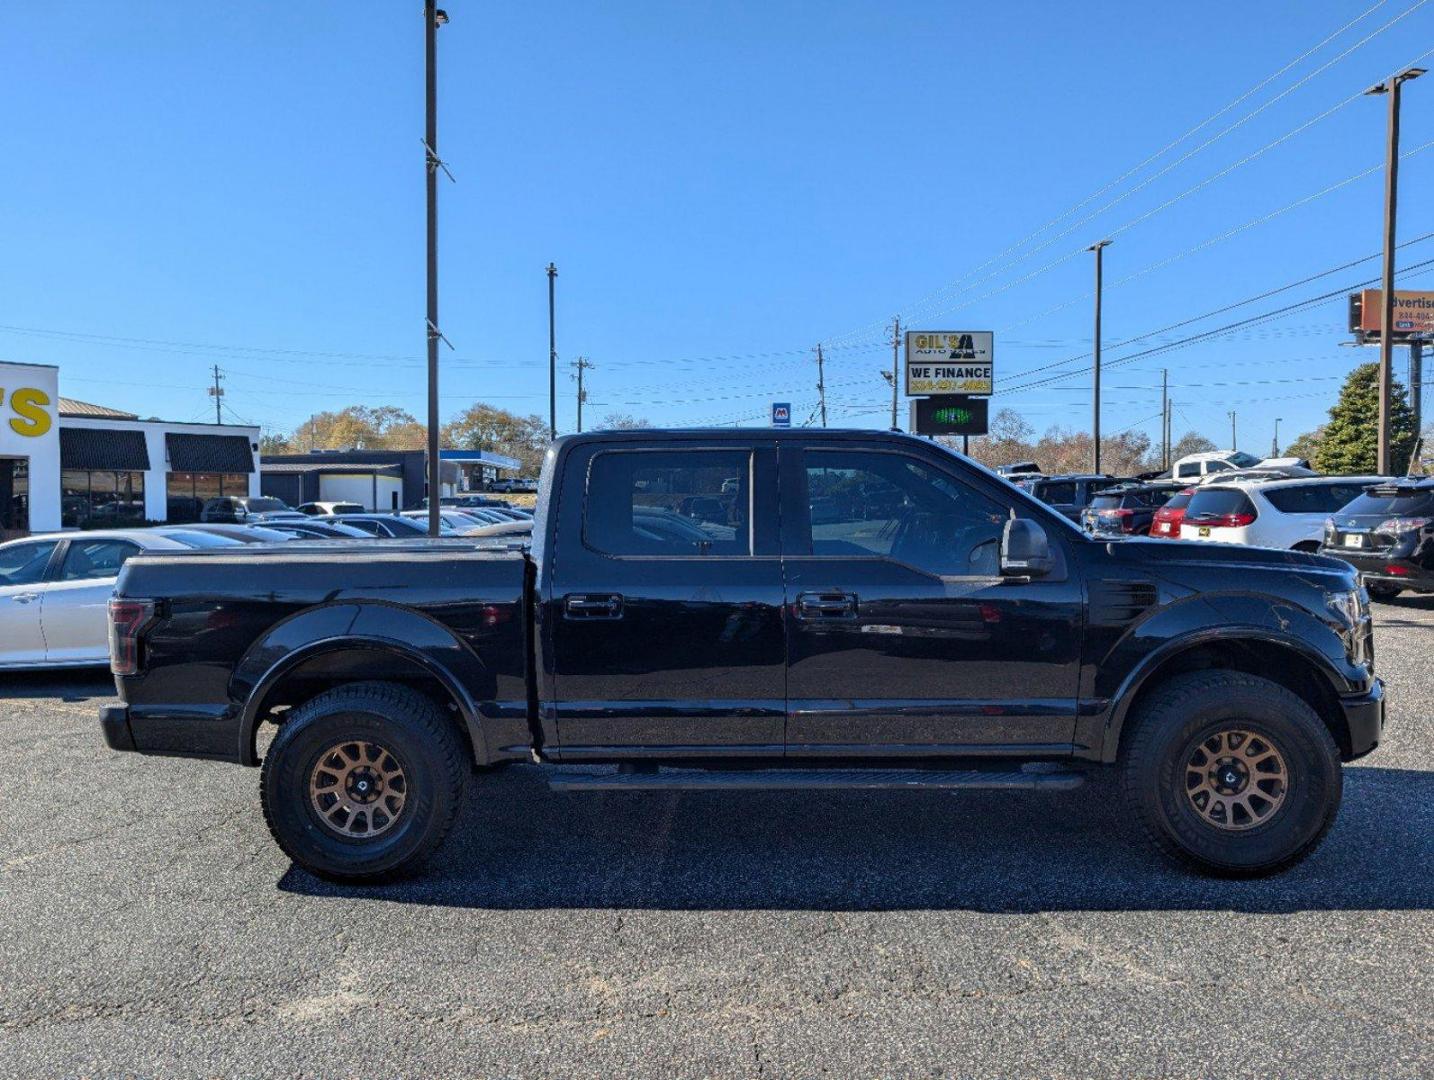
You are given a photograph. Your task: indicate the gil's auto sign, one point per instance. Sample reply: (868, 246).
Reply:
(949, 362)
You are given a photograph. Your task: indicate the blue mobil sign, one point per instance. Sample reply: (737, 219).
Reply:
(781, 414)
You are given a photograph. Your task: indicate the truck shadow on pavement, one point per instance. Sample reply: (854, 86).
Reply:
(519, 846)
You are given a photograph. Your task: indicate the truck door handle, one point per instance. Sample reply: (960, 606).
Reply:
(592, 606)
(826, 606)
(25, 598)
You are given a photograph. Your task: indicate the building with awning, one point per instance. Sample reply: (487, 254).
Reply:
(72, 464)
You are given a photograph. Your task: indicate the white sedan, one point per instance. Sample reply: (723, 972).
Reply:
(54, 591)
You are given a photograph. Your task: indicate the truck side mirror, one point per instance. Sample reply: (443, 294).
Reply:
(1025, 550)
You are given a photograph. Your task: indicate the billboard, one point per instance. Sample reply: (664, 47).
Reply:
(1413, 314)
(952, 414)
(949, 362)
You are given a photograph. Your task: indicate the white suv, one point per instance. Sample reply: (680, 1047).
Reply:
(1271, 513)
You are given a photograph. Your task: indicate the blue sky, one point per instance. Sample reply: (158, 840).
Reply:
(722, 186)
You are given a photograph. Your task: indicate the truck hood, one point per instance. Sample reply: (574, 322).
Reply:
(1179, 559)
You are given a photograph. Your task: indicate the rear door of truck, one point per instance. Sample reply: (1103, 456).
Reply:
(662, 616)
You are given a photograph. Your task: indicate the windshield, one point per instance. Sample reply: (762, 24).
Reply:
(1217, 502)
(1179, 501)
(1242, 460)
(201, 539)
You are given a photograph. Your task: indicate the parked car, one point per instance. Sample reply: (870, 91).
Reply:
(464, 501)
(1125, 510)
(54, 588)
(976, 639)
(453, 522)
(1193, 466)
(243, 534)
(1387, 534)
(384, 526)
(1168, 518)
(1072, 493)
(313, 529)
(506, 484)
(1270, 513)
(323, 509)
(1255, 475)
(242, 508)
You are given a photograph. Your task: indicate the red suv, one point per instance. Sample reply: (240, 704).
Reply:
(1167, 519)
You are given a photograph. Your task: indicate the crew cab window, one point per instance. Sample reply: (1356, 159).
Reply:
(24, 564)
(89, 559)
(669, 502)
(1190, 468)
(893, 506)
(1063, 491)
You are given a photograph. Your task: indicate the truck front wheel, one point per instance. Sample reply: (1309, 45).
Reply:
(363, 782)
(1231, 773)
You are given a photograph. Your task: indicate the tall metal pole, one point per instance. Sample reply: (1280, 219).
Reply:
(1275, 444)
(1416, 384)
(821, 385)
(1165, 418)
(552, 358)
(1390, 88)
(1234, 443)
(431, 17)
(895, 367)
(1099, 249)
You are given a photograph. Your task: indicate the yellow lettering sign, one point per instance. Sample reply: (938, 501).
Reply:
(29, 406)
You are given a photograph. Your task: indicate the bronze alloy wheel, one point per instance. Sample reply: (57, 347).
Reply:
(1236, 779)
(358, 789)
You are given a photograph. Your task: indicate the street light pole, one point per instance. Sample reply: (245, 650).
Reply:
(1234, 442)
(1099, 249)
(432, 18)
(1390, 88)
(1275, 446)
(552, 358)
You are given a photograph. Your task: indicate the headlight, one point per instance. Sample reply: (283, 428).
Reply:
(1351, 607)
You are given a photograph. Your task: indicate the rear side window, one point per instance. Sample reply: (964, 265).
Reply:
(1218, 502)
(1310, 498)
(1390, 503)
(1190, 468)
(1061, 491)
(91, 559)
(669, 502)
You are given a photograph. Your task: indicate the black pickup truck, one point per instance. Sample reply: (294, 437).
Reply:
(739, 609)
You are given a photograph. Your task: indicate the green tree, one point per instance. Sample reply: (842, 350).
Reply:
(1307, 445)
(1351, 440)
(487, 427)
(274, 442)
(1192, 442)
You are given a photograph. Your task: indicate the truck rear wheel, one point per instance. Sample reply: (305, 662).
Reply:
(1231, 774)
(363, 782)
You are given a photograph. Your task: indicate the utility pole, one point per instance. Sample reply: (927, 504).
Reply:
(1275, 444)
(552, 358)
(1169, 425)
(217, 393)
(582, 363)
(433, 17)
(1165, 417)
(1234, 443)
(1099, 249)
(1391, 88)
(895, 367)
(1416, 384)
(821, 385)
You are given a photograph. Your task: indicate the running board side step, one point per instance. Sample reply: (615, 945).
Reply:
(813, 780)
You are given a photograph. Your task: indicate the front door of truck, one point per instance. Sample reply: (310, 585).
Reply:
(902, 637)
(662, 621)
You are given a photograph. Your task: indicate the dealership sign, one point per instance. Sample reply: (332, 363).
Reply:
(949, 362)
(781, 414)
(952, 414)
(1413, 314)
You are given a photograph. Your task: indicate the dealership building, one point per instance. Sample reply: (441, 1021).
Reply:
(69, 464)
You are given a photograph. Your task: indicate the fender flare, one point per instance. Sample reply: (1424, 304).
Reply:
(1150, 665)
(332, 628)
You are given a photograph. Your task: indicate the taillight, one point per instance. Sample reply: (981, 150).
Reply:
(128, 619)
(1223, 521)
(1395, 526)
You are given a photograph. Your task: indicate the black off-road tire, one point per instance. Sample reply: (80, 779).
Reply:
(423, 749)
(1177, 720)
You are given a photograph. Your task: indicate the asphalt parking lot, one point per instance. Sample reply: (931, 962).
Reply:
(148, 926)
